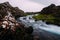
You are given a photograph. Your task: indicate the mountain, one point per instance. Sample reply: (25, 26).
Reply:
(52, 9)
(15, 11)
(49, 14)
(10, 29)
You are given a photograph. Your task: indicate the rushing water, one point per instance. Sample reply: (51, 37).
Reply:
(29, 21)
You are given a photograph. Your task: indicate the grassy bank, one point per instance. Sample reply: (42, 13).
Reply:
(49, 19)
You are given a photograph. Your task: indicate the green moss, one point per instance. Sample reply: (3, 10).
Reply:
(47, 18)
(43, 16)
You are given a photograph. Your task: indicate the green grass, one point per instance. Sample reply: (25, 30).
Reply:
(47, 18)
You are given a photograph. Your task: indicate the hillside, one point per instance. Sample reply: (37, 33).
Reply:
(10, 29)
(50, 14)
(15, 11)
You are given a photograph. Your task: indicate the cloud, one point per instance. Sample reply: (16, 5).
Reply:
(1, 1)
(57, 2)
(31, 6)
(26, 5)
(47, 2)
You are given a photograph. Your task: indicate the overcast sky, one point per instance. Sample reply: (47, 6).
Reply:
(31, 5)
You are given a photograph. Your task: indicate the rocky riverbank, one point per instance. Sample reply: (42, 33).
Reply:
(10, 29)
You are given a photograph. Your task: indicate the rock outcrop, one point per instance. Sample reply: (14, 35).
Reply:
(15, 11)
(54, 11)
(10, 29)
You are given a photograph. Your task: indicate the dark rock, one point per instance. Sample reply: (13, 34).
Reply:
(15, 11)
(49, 10)
(52, 10)
(29, 30)
(18, 31)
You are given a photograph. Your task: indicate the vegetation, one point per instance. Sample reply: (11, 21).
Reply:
(50, 14)
(44, 17)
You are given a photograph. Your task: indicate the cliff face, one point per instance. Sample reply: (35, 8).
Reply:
(10, 29)
(15, 11)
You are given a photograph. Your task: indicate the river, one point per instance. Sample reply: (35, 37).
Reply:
(41, 28)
